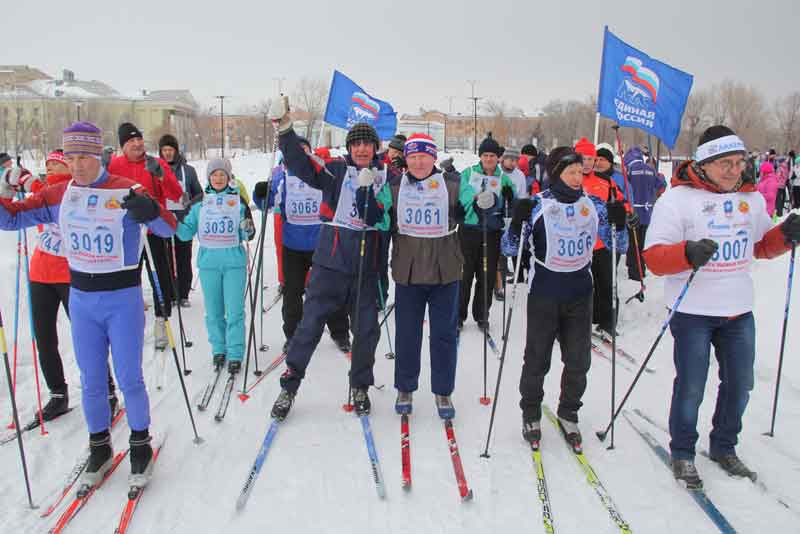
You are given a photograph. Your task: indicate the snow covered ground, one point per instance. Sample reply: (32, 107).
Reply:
(317, 477)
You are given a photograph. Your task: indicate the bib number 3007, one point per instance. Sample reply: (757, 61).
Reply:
(731, 250)
(97, 244)
(574, 247)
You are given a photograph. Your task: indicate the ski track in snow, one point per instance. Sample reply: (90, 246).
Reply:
(317, 476)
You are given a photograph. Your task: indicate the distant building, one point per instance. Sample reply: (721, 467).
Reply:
(35, 108)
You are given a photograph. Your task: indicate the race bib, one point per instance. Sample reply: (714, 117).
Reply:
(423, 207)
(218, 223)
(493, 184)
(91, 226)
(571, 231)
(346, 211)
(728, 221)
(171, 204)
(302, 202)
(50, 241)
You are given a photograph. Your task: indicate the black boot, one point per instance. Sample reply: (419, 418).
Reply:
(361, 400)
(57, 405)
(234, 366)
(141, 454)
(219, 361)
(343, 344)
(282, 405)
(101, 456)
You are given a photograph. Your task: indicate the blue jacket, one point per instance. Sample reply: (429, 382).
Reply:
(216, 258)
(645, 184)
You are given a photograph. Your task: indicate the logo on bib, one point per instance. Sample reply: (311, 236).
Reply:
(219, 200)
(112, 204)
(709, 208)
(433, 184)
(232, 202)
(728, 208)
(91, 202)
(744, 207)
(570, 210)
(584, 211)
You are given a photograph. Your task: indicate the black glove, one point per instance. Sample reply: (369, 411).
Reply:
(791, 228)
(633, 220)
(153, 167)
(508, 194)
(141, 208)
(447, 165)
(699, 252)
(399, 162)
(522, 213)
(261, 190)
(616, 214)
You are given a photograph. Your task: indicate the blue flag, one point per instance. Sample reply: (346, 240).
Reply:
(641, 92)
(348, 104)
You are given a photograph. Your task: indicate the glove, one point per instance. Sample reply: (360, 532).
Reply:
(14, 177)
(399, 162)
(141, 208)
(508, 193)
(261, 190)
(366, 177)
(108, 153)
(6, 189)
(791, 228)
(522, 213)
(447, 165)
(484, 200)
(633, 220)
(616, 214)
(699, 252)
(248, 226)
(153, 167)
(279, 114)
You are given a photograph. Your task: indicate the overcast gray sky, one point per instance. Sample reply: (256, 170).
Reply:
(412, 54)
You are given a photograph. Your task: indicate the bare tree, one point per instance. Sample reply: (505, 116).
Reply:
(787, 113)
(694, 117)
(311, 95)
(742, 108)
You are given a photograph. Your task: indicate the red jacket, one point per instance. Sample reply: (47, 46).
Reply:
(161, 190)
(605, 190)
(48, 268)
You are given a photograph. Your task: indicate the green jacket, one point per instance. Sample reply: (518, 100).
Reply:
(471, 184)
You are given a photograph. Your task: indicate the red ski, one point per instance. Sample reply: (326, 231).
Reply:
(405, 451)
(134, 494)
(83, 495)
(463, 489)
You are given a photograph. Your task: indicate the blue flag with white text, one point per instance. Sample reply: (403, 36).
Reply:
(349, 104)
(641, 92)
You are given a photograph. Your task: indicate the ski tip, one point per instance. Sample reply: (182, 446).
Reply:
(243, 397)
(348, 407)
(485, 401)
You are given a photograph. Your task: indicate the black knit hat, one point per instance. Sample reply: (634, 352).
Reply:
(398, 142)
(168, 140)
(126, 132)
(362, 132)
(606, 154)
(559, 159)
(529, 150)
(4, 158)
(490, 145)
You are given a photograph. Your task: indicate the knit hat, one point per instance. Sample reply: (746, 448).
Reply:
(126, 132)
(511, 153)
(585, 148)
(4, 158)
(606, 154)
(168, 140)
(217, 164)
(56, 156)
(362, 132)
(559, 159)
(489, 145)
(420, 143)
(398, 142)
(717, 142)
(529, 150)
(83, 138)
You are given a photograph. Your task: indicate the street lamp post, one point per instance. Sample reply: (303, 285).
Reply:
(474, 115)
(222, 124)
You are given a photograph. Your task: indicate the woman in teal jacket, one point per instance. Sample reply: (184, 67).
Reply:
(222, 221)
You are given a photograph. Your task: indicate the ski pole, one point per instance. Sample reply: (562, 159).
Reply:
(484, 399)
(506, 330)
(614, 312)
(174, 271)
(601, 435)
(170, 338)
(43, 432)
(771, 432)
(16, 315)
(389, 355)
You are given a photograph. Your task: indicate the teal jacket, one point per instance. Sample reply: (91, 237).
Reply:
(217, 258)
(468, 190)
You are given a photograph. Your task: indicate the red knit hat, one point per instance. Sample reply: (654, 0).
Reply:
(56, 156)
(420, 142)
(585, 148)
(523, 165)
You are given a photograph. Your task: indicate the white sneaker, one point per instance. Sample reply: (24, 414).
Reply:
(160, 333)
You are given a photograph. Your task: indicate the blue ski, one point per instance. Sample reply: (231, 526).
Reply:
(375, 465)
(256, 469)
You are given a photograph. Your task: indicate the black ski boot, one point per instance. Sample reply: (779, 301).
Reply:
(571, 434)
(532, 431)
(141, 454)
(499, 294)
(361, 400)
(219, 361)
(57, 405)
(483, 325)
(101, 456)
(283, 404)
(343, 344)
(234, 366)
(685, 471)
(734, 466)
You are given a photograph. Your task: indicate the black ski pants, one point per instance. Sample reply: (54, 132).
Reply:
(631, 257)
(162, 262)
(472, 249)
(328, 291)
(296, 264)
(570, 323)
(45, 300)
(183, 267)
(601, 274)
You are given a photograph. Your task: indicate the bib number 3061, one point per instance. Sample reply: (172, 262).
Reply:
(422, 216)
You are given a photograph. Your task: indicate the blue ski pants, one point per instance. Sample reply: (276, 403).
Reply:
(223, 293)
(115, 320)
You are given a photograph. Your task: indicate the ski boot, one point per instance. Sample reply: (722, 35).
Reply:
(403, 403)
(283, 404)
(685, 471)
(234, 366)
(483, 325)
(141, 458)
(532, 431)
(343, 344)
(361, 400)
(57, 405)
(286, 346)
(571, 434)
(219, 361)
(499, 294)
(734, 466)
(444, 406)
(160, 333)
(101, 457)
(184, 303)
